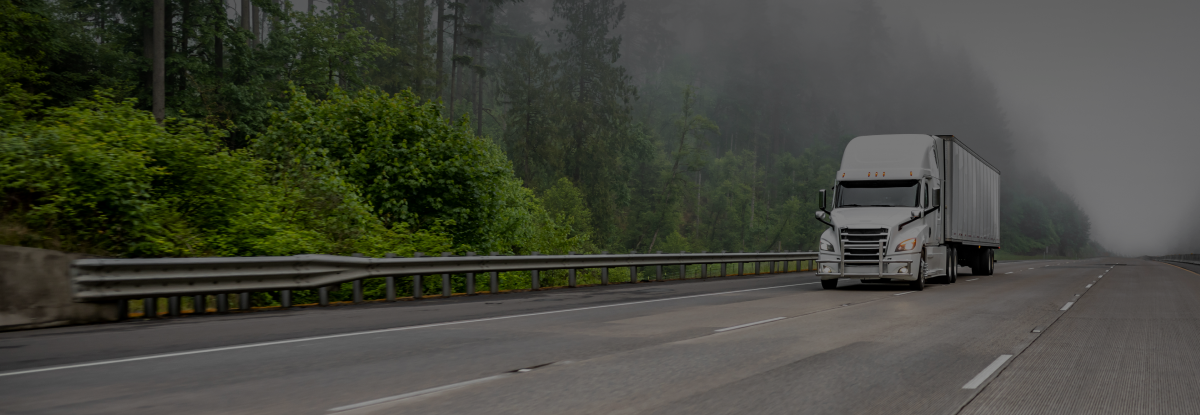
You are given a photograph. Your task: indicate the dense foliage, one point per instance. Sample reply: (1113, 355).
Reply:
(407, 126)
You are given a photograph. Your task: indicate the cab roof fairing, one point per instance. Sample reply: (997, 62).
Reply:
(905, 156)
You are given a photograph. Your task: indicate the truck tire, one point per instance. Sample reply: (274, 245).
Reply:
(829, 284)
(990, 258)
(952, 266)
(919, 284)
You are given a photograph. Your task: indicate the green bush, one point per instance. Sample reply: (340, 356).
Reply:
(102, 177)
(412, 168)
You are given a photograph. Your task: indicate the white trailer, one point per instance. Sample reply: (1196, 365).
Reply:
(907, 208)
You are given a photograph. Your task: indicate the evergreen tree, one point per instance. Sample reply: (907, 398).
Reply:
(596, 96)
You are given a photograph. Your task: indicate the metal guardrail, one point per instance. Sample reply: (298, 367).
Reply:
(99, 280)
(1180, 257)
(1193, 259)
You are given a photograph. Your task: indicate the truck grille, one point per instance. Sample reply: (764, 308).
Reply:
(864, 244)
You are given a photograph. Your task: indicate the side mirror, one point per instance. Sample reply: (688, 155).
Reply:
(937, 197)
(820, 215)
(916, 213)
(821, 202)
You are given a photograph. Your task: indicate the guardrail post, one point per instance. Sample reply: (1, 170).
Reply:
(633, 277)
(447, 289)
(199, 304)
(756, 266)
(418, 288)
(222, 303)
(357, 295)
(771, 267)
(571, 273)
(723, 269)
(243, 301)
(535, 278)
(658, 269)
(494, 281)
(603, 271)
(285, 298)
(741, 266)
(682, 268)
(122, 309)
(390, 282)
(323, 295)
(148, 307)
(173, 306)
(703, 268)
(470, 279)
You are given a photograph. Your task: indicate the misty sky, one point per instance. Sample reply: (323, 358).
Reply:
(1104, 97)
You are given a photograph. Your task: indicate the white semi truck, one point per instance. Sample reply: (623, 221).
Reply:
(909, 208)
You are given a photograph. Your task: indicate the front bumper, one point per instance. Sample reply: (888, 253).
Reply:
(867, 269)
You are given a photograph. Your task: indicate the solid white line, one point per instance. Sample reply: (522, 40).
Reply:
(418, 393)
(908, 292)
(359, 333)
(987, 372)
(749, 324)
(973, 279)
(1067, 307)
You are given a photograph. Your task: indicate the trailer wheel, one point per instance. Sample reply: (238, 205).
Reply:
(990, 257)
(829, 284)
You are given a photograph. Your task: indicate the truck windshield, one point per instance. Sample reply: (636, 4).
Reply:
(891, 193)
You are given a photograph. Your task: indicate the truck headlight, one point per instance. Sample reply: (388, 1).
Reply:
(826, 246)
(908, 245)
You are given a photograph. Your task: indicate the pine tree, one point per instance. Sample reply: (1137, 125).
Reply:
(596, 100)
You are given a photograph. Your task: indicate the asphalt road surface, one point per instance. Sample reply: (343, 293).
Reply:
(1118, 336)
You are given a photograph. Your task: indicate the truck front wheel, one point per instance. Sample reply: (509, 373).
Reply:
(952, 266)
(829, 284)
(919, 284)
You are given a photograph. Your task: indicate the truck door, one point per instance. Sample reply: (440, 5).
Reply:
(935, 252)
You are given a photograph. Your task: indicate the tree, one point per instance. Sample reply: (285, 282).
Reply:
(596, 100)
(160, 88)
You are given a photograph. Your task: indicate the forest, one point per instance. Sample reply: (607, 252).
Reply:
(139, 128)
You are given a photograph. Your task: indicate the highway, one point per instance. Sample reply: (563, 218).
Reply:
(1111, 335)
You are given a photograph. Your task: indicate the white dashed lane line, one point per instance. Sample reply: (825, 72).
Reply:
(749, 324)
(987, 372)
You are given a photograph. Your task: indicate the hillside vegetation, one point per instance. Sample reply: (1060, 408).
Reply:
(405, 126)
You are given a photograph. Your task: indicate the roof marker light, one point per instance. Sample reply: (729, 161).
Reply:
(885, 174)
(910, 173)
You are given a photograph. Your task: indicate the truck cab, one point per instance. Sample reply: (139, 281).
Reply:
(887, 216)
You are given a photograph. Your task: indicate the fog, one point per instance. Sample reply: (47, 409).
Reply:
(1097, 97)
(1103, 97)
